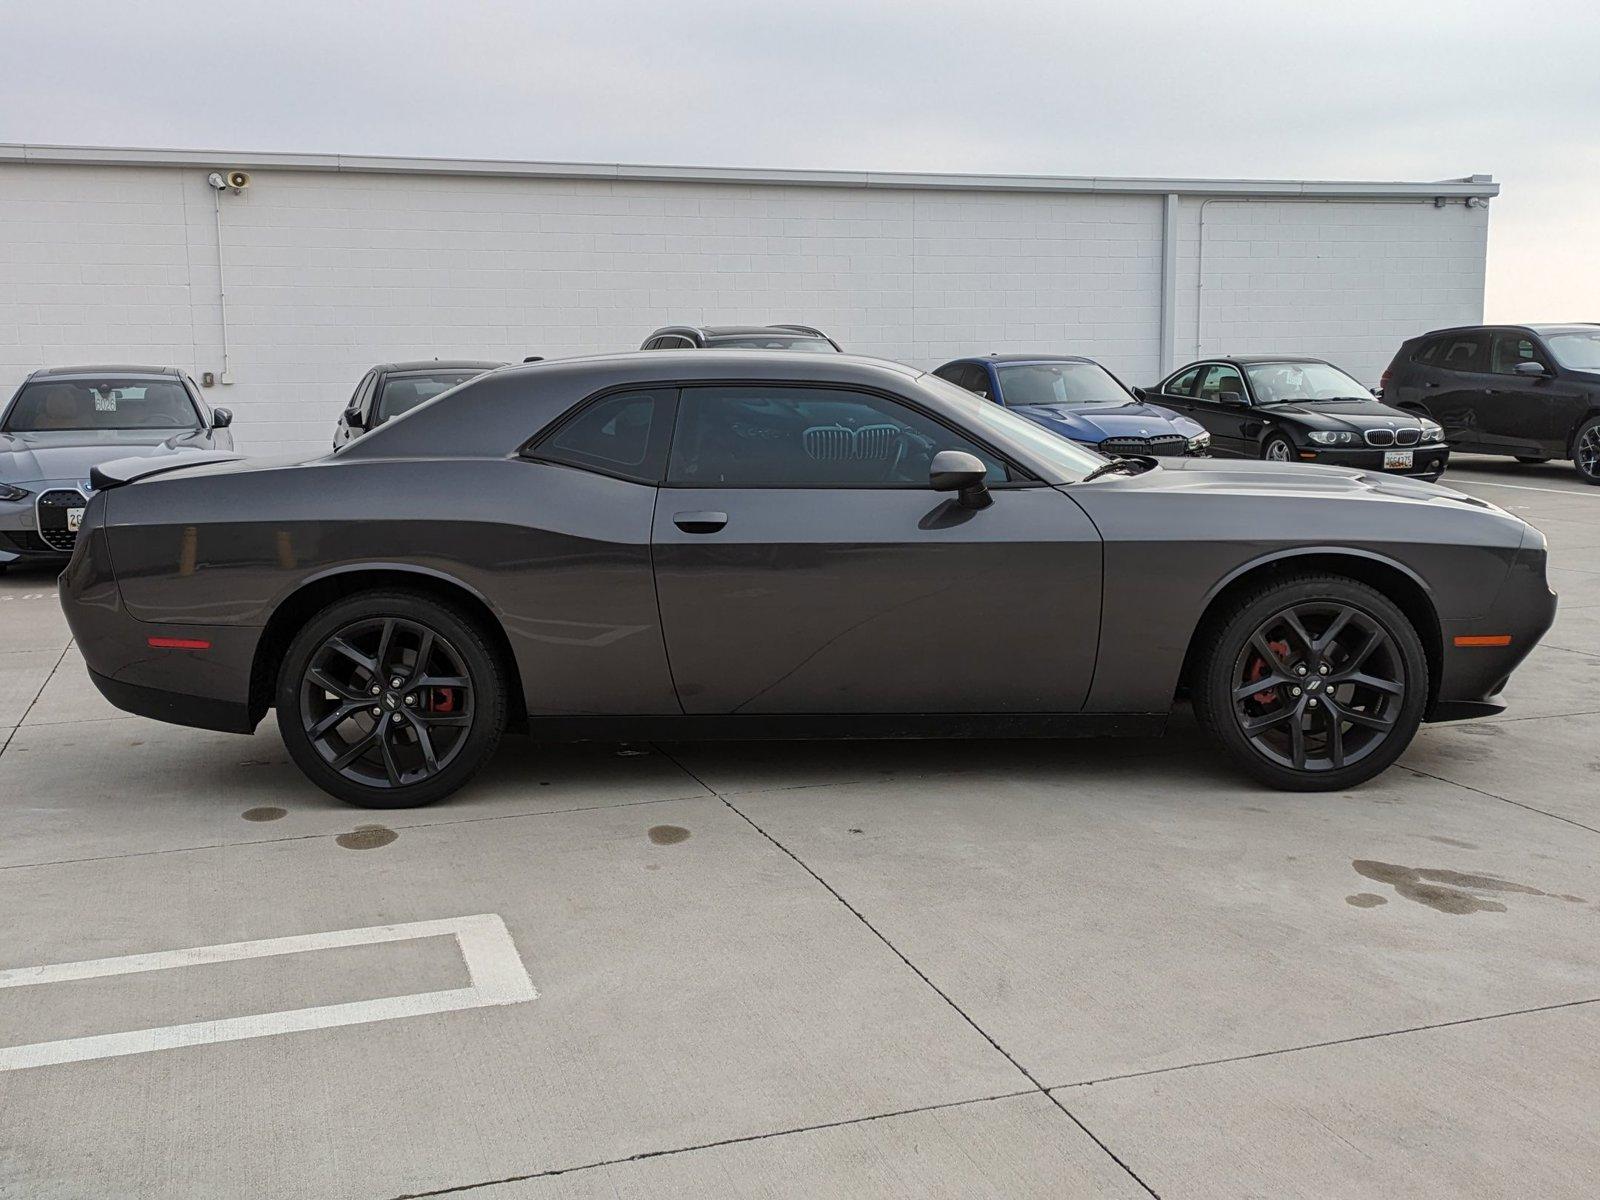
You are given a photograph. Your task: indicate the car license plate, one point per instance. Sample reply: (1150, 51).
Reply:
(74, 519)
(1393, 460)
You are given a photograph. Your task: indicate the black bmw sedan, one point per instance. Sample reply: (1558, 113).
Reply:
(750, 544)
(1287, 409)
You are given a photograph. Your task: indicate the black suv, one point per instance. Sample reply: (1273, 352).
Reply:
(741, 337)
(390, 389)
(1528, 391)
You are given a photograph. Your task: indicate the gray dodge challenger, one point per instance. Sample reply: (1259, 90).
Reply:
(64, 420)
(699, 544)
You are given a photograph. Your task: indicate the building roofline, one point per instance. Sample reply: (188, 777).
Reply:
(29, 153)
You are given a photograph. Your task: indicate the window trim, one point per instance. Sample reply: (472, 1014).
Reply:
(529, 450)
(1025, 477)
(1244, 378)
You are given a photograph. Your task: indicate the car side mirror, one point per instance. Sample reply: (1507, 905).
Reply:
(963, 473)
(1231, 399)
(354, 419)
(1139, 393)
(1377, 392)
(1532, 370)
(221, 418)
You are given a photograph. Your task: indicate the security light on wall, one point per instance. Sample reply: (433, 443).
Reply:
(234, 181)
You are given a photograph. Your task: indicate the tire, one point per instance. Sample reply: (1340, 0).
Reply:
(1532, 460)
(1278, 448)
(1376, 723)
(431, 734)
(1586, 451)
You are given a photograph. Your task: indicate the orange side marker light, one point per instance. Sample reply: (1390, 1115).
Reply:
(1484, 639)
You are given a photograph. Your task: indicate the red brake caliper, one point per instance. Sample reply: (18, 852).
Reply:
(441, 700)
(1259, 668)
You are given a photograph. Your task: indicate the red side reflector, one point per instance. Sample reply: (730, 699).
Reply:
(1485, 639)
(159, 643)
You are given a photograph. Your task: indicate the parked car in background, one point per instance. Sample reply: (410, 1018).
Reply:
(1080, 400)
(1290, 409)
(741, 337)
(64, 420)
(1528, 391)
(765, 544)
(390, 389)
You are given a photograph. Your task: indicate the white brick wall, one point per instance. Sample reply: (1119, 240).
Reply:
(329, 273)
(1346, 280)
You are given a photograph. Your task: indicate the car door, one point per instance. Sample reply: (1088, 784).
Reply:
(1457, 384)
(1226, 422)
(1177, 393)
(804, 565)
(1518, 412)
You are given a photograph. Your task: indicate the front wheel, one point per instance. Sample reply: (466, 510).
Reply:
(1311, 683)
(1586, 451)
(1277, 448)
(390, 700)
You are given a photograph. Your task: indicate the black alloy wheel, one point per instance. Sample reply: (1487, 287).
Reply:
(1586, 451)
(1315, 683)
(390, 700)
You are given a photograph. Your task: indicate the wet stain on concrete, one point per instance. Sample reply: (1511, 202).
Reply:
(1450, 841)
(263, 762)
(1365, 900)
(1254, 809)
(266, 812)
(668, 835)
(1453, 892)
(855, 831)
(366, 837)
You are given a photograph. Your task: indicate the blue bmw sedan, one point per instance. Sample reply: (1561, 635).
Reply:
(1080, 400)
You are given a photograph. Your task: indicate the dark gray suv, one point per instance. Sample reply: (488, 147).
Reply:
(1531, 392)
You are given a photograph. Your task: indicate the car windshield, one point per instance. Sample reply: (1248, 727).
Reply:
(1577, 351)
(402, 393)
(804, 345)
(1059, 383)
(981, 417)
(60, 405)
(1285, 382)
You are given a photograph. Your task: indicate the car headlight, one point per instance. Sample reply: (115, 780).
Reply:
(1331, 437)
(1201, 441)
(7, 492)
(1432, 431)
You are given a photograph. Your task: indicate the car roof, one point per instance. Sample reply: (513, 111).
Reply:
(1028, 358)
(1246, 360)
(104, 369)
(439, 364)
(716, 331)
(1542, 328)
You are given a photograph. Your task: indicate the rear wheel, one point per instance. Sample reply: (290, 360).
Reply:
(1586, 451)
(1278, 449)
(1312, 683)
(390, 700)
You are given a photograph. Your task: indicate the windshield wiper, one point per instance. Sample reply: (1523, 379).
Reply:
(1134, 465)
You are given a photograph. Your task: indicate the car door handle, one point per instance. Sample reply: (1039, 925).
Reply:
(700, 522)
(1430, 383)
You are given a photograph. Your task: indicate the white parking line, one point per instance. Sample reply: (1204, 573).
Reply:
(494, 968)
(1523, 487)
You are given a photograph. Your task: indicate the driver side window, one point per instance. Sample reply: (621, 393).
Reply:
(759, 435)
(1221, 379)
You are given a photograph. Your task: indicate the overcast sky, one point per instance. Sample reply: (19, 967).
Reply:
(1356, 89)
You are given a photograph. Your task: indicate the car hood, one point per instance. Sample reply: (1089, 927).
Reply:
(1258, 478)
(1096, 422)
(37, 457)
(1357, 415)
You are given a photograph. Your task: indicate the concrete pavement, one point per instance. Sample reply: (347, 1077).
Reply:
(925, 969)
